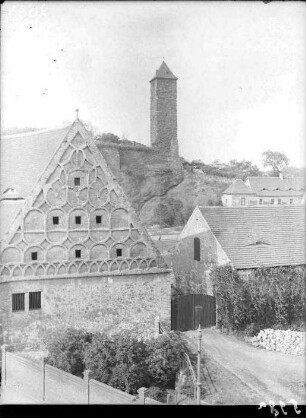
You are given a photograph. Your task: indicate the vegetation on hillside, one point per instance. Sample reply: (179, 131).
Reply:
(271, 297)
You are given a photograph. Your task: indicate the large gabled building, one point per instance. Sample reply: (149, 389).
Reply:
(73, 251)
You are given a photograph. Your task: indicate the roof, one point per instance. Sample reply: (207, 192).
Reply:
(258, 236)
(164, 72)
(238, 187)
(25, 156)
(272, 183)
(9, 208)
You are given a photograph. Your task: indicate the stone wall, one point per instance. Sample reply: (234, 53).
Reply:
(113, 303)
(288, 342)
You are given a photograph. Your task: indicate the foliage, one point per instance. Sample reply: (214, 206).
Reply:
(267, 298)
(66, 352)
(118, 362)
(166, 356)
(233, 169)
(154, 392)
(122, 361)
(276, 160)
(169, 212)
(108, 137)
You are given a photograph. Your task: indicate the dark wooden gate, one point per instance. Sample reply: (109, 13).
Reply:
(188, 311)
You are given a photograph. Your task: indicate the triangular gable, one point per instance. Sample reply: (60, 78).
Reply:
(77, 220)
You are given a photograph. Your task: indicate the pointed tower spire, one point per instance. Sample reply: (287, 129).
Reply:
(164, 72)
(77, 114)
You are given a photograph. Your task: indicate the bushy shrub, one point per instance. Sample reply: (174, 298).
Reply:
(119, 361)
(166, 356)
(267, 298)
(66, 350)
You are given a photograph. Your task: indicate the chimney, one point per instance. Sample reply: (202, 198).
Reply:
(142, 395)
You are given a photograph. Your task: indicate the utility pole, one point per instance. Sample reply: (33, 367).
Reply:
(199, 367)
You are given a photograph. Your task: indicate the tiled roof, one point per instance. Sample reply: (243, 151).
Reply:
(259, 236)
(272, 183)
(8, 210)
(25, 156)
(164, 72)
(238, 187)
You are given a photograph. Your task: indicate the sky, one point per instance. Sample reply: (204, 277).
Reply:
(240, 69)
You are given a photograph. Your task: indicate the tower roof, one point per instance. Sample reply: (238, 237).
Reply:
(164, 72)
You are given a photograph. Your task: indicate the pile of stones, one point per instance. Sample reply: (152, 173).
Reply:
(288, 342)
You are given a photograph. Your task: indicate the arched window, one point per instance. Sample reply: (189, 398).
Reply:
(197, 249)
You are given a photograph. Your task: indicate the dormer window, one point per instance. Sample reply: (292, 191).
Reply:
(77, 181)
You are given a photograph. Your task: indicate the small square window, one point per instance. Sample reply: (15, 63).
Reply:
(77, 181)
(119, 252)
(260, 201)
(98, 219)
(17, 302)
(34, 256)
(272, 201)
(243, 201)
(78, 220)
(279, 201)
(291, 201)
(34, 300)
(55, 220)
(77, 253)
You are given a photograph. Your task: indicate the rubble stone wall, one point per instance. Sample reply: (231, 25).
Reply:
(288, 342)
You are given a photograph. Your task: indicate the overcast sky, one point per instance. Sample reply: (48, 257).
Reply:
(240, 65)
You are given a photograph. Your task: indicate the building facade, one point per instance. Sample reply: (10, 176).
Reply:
(265, 191)
(76, 254)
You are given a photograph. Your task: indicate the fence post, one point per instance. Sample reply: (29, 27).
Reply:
(86, 374)
(199, 367)
(142, 395)
(156, 327)
(3, 367)
(43, 379)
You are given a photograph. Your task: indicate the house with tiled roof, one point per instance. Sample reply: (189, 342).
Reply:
(73, 251)
(265, 191)
(246, 237)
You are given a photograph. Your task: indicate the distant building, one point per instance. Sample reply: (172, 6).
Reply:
(265, 191)
(246, 237)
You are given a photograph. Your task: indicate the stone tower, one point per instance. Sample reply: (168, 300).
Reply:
(164, 111)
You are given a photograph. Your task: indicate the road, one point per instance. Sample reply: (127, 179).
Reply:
(242, 374)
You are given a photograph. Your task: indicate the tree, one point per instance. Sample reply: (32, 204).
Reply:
(66, 350)
(276, 160)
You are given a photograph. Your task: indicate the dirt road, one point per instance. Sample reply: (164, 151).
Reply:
(239, 373)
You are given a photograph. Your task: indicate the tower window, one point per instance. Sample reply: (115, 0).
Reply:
(197, 249)
(291, 201)
(78, 220)
(77, 253)
(77, 181)
(260, 201)
(279, 201)
(119, 252)
(17, 302)
(98, 219)
(34, 256)
(243, 201)
(55, 220)
(272, 201)
(34, 300)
